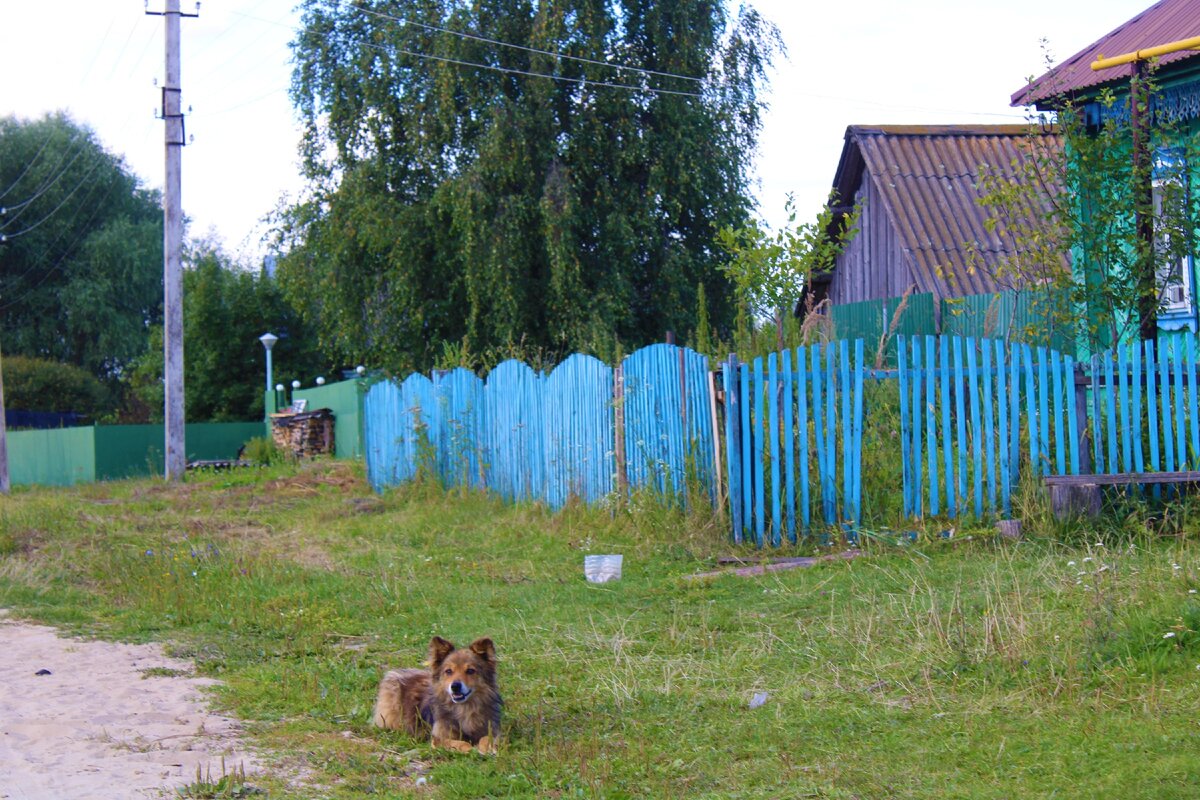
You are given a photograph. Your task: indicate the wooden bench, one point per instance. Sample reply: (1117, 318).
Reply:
(1080, 494)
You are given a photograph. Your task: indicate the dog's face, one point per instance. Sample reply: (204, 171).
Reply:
(460, 673)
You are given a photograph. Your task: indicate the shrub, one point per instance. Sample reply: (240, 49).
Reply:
(35, 384)
(263, 450)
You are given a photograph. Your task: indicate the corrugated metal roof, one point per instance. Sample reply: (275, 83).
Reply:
(927, 176)
(1163, 23)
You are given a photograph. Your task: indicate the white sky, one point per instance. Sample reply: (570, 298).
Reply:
(864, 62)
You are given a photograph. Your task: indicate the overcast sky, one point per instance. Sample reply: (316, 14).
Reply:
(870, 61)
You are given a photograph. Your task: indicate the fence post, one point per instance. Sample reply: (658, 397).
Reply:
(716, 437)
(733, 445)
(619, 427)
(1081, 413)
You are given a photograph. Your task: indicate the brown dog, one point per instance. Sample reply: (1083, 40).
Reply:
(456, 698)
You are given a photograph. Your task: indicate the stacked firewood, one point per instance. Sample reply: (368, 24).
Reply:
(302, 435)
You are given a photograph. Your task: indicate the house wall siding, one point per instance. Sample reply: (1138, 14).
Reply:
(874, 265)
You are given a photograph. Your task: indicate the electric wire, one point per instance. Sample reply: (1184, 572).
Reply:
(7, 236)
(552, 53)
(45, 187)
(28, 166)
(82, 231)
(512, 71)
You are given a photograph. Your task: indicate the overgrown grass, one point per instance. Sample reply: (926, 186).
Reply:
(960, 668)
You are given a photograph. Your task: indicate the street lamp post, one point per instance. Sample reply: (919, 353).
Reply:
(268, 341)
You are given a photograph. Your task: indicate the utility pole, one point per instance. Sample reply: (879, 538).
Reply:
(4, 484)
(172, 114)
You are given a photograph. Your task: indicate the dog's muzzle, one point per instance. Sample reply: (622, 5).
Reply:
(459, 692)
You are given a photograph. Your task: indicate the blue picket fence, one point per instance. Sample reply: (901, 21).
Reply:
(976, 418)
(1146, 407)
(965, 406)
(526, 435)
(793, 428)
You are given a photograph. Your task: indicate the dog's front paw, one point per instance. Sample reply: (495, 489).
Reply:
(453, 744)
(487, 746)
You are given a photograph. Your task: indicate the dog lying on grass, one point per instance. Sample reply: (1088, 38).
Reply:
(455, 699)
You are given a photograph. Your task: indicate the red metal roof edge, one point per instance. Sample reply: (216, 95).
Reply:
(1075, 73)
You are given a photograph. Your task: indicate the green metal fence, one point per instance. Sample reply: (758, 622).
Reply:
(1033, 318)
(869, 320)
(66, 456)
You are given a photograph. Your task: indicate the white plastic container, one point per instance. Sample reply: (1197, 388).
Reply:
(602, 569)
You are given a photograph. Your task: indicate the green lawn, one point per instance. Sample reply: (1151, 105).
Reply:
(962, 668)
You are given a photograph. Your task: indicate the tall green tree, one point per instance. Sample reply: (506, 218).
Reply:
(226, 308)
(81, 257)
(466, 190)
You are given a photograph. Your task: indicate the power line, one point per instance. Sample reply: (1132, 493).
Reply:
(28, 166)
(45, 187)
(552, 53)
(82, 231)
(511, 71)
(5, 237)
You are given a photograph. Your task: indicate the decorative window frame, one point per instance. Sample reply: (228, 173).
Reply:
(1174, 280)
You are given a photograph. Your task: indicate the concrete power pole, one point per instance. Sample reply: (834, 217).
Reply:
(176, 454)
(4, 484)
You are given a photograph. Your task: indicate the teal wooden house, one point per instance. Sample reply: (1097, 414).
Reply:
(1153, 49)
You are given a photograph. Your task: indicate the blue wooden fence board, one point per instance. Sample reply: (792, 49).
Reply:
(578, 432)
(774, 400)
(802, 384)
(789, 401)
(905, 422)
(931, 421)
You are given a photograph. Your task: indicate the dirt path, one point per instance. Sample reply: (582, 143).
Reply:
(98, 725)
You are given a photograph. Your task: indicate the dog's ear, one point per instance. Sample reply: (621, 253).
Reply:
(439, 648)
(484, 649)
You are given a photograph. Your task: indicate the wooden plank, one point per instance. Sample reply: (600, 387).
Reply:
(1164, 397)
(776, 566)
(1193, 401)
(1043, 397)
(719, 499)
(789, 441)
(733, 456)
(1123, 366)
(847, 438)
(1002, 403)
(857, 439)
(1031, 411)
(1014, 410)
(1151, 413)
(1072, 414)
(1110, 398)
(818, 411)
(760, 488)
(774, 398)
(1177, 356)
(989, 429)
(747, 442)
(829, 481)
(902, 345)
(930, 415)
(619, 430)
(802, 409)
(947, 440)
(960, 389)
(919, 411)
(976, 427)
(1135, 420)
(1123, 478)
(1060, 449)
